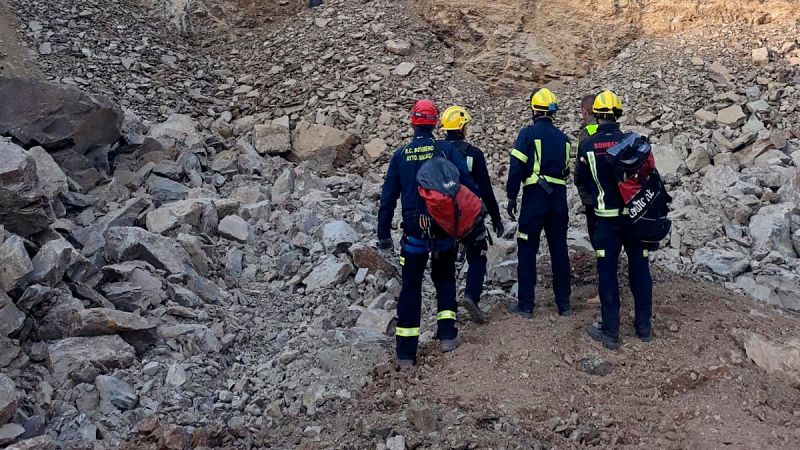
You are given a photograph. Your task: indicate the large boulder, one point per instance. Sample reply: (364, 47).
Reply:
(15, 264)
(325, 147)
(368, 257)
(11, 318)
(25, 207)
(770, 230)
(52, 261)
(57, 116)
(724, 263)
(328, 272)
(179, 130)
(132, 243)
(668, 159)
(782, 360)
(236, 229)
(338, 235)
(82, 358)
(9, 399)
(271, 139)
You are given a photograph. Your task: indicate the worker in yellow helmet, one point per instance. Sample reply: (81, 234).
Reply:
(540, 163)
(454, 122)
(612, 233)
(589, 123)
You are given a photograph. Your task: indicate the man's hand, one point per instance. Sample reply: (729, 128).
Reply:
(511, 209)
(385, 244)
(499, 228)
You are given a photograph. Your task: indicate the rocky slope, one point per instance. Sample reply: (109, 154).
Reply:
(189, 203)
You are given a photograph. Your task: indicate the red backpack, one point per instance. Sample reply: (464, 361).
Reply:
(453, 207)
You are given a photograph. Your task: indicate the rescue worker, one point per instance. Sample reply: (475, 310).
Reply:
(610, 235)
(589, 129)
(540, 162)
(421, 236)
(454, 122)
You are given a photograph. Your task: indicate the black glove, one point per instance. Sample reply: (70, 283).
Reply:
(511, 209)
(499, 228)
(385, 244)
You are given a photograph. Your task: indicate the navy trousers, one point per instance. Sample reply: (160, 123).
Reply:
(414, 260)
(476, 269)
(548, 212)
(610, 237)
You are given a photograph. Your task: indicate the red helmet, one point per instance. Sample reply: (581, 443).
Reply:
(424, 112)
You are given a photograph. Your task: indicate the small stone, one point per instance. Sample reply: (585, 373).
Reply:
(10, 432)
(377, 320)
(594, 365)
(758, 106)
(11, 318)
(422, 418)
(760, 56)
(697, 62)
(236, 229)
(176, 375)
(404, 69)
(705, 117)
(117, 392)
(374, 149)
(398, 47)
(732, 116)
(271, 139)
(396, 443)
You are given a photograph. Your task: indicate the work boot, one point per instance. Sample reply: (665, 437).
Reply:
(405, 364)
(515, 309)
(595, 332)
(565, 312)
(475, 312)
(448, 345)
(645, 335)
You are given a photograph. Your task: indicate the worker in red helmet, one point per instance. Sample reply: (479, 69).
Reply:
(422, 238)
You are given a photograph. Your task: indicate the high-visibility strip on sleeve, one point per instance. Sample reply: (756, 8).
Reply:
(569, 153)
(470, 163)
(519, 155)
(646, 253)
(402, 260)
(601, 195)
(407, 332)
(446, 314)
(521, 235)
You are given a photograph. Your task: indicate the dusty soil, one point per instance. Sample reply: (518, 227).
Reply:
(14, 59)
(512, 44)
(520, 382)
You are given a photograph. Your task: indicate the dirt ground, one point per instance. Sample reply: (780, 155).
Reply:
(518, 384)
(14, 59)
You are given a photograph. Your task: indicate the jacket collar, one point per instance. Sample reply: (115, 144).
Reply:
(608, 127)
(421, 133)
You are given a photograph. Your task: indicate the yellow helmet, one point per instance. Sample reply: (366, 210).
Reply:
(607, 102)
(454, 118)
(544, 100)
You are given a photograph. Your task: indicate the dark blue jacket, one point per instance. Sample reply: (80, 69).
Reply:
(401, 181)
(595, 175)
(554, 161)
(476, 163)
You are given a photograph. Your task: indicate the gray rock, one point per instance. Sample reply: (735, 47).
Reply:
(117, 392)
(396, 443)
(26, 210)
(62, 319)
(770, 230)
(183, 296)
(404, 69)
(236, 229)
(163, 190)
(176, 375)
(178, 130)
(504, 273)
(398, 47)
(668, 159)
(51, 262)
(233, 262)
(272, 139)
(594, 365)
(9, 351)
(697, 159)
(421, 417)
(103, 321)
(725, 263)
(782, 360)
(52, 178)
(760, 56)
(15, 264)
(75, 356)
(39, 113)
(705, 117)
(758, 106)
(369, 257)
(375, 149)
(324, 147)
(328, 272)
(255, 211)
(132, 243)
(199, 214)
(11, 318)
(9, 399)
(338, 235)
(732, 116)
(37, 443)
(377, 320)
(10, 432)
